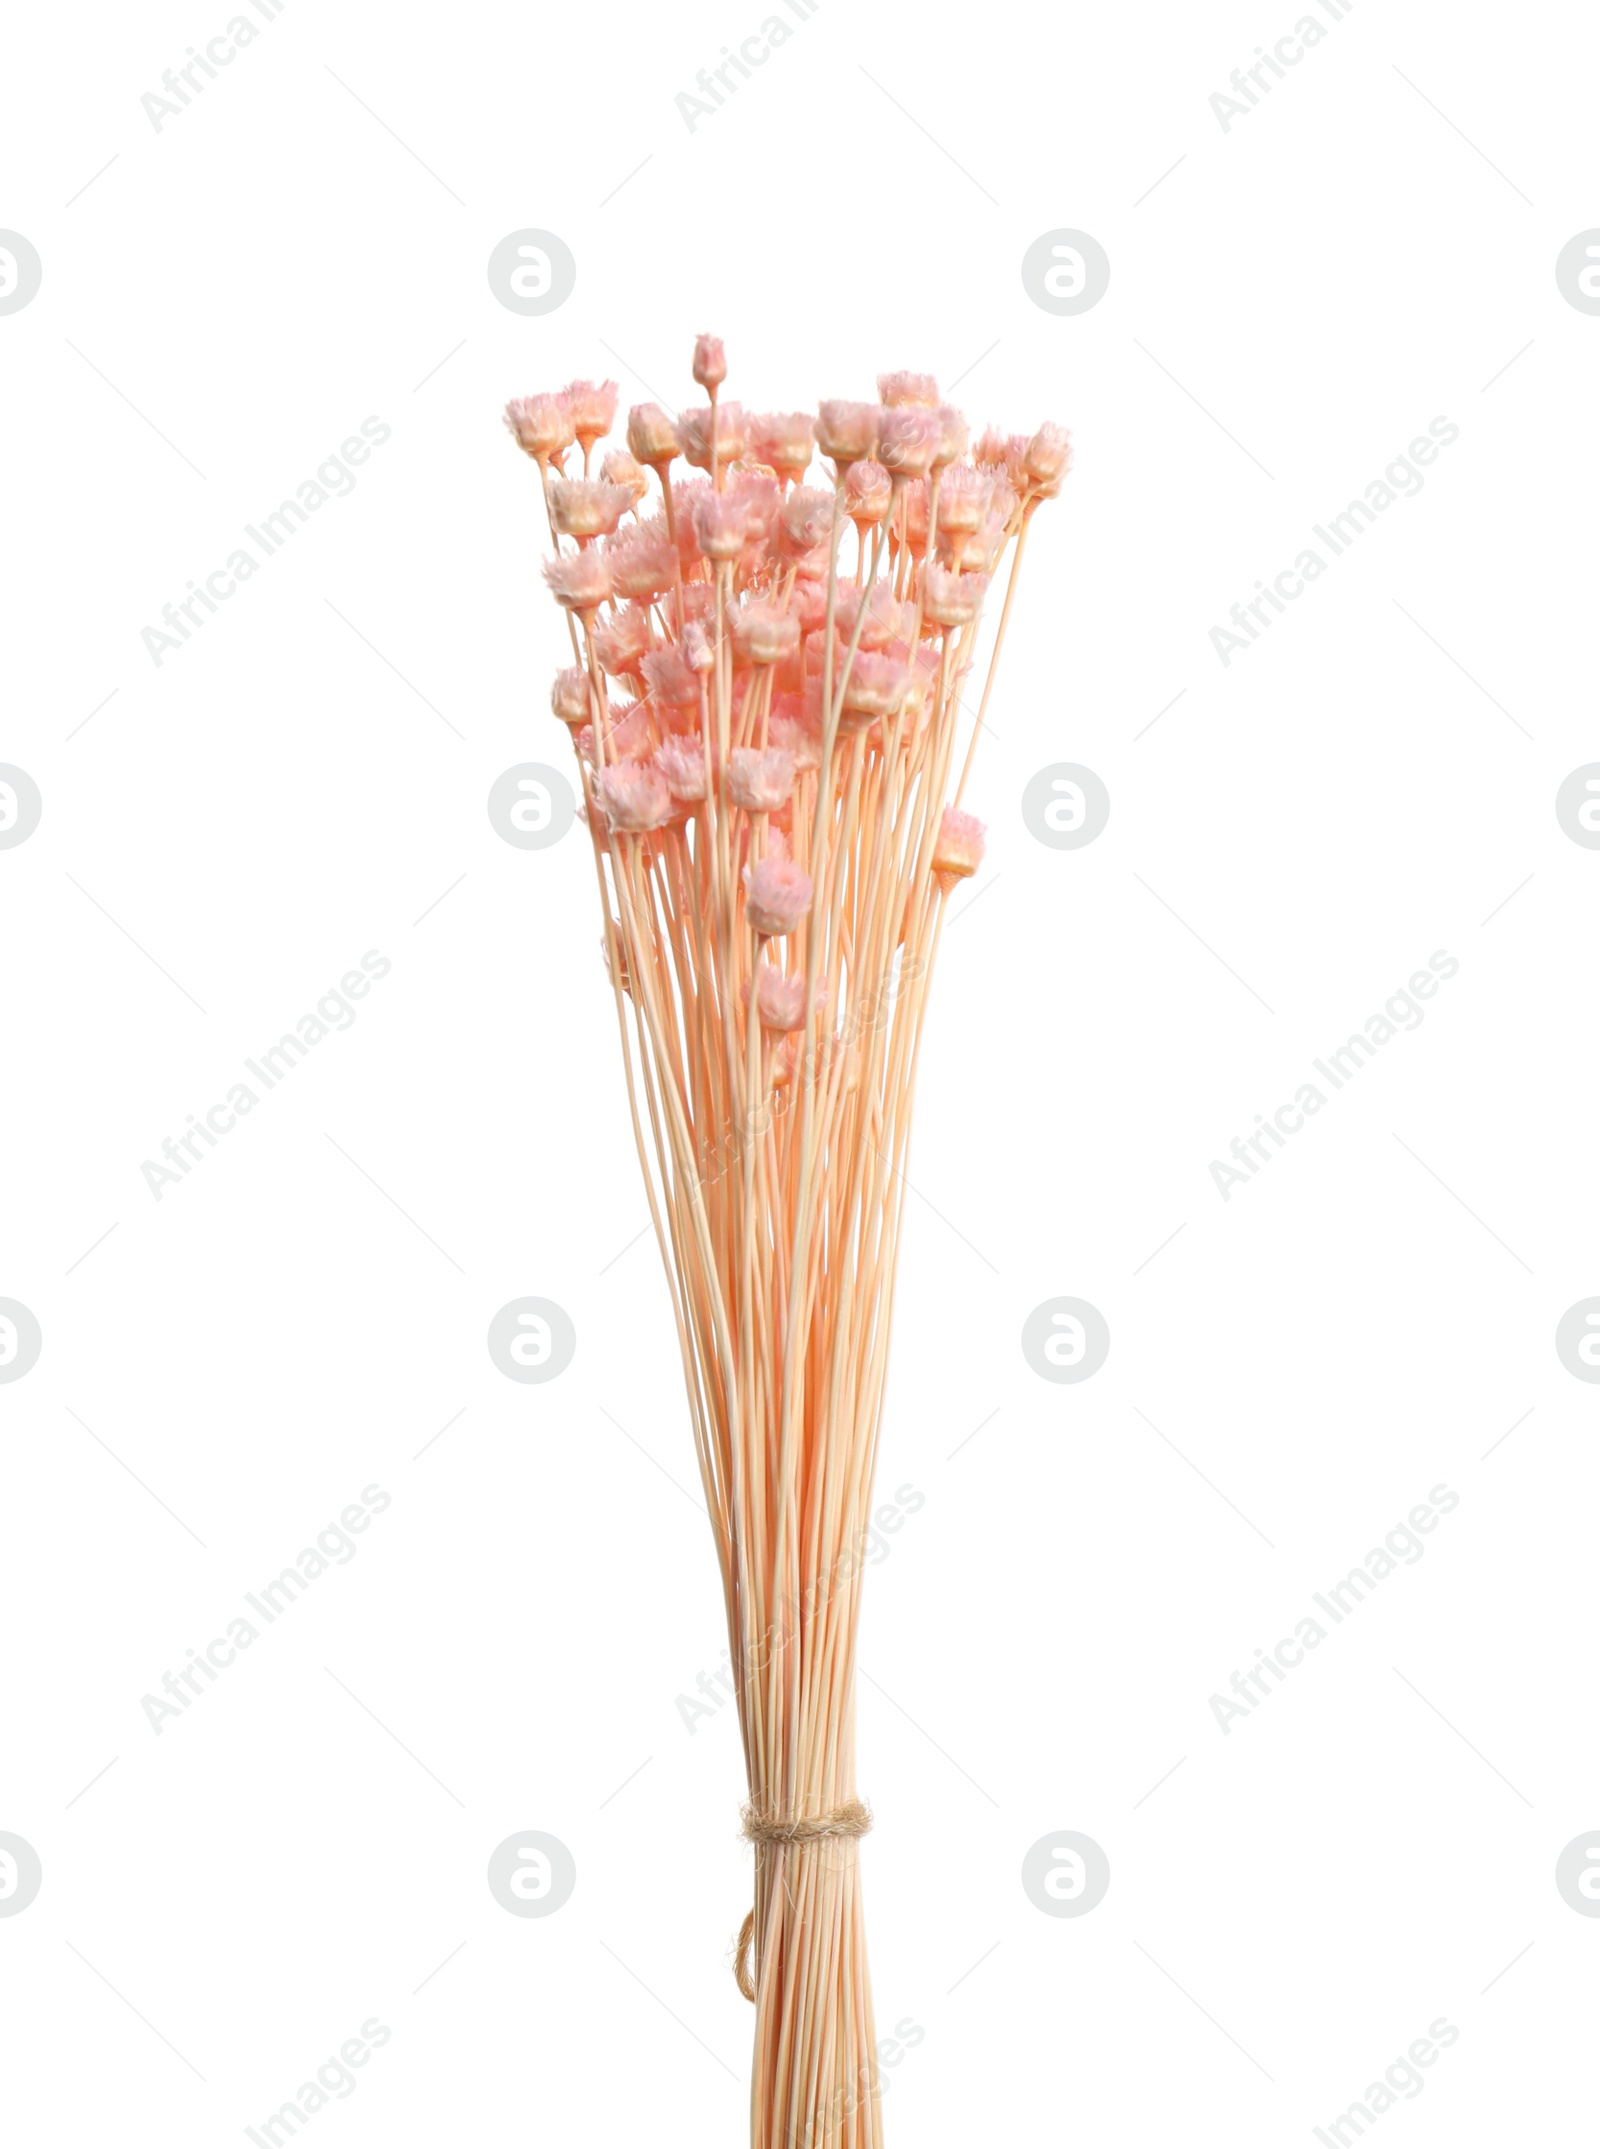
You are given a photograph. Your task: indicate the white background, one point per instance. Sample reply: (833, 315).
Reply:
(305, 780)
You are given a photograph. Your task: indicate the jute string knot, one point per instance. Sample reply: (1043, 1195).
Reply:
(849, 1820)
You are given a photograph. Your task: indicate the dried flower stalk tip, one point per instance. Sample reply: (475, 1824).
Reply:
(958, 849)
(710, 366)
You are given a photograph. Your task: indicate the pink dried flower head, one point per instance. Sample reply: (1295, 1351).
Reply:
(1047, 459)
(907, 437)
(710, 362)
(952, 600)
(811, 566)
(760, 781)
(652, 437)
(786, 1058)
(699, 650)
(721, 524)
(541, 425)
(808, 601)
(1006, 454)
(1003, 503)
(619, 468)
(876, 687)
(898, 389)
(694, 434)
(683, 763)
(780, 1000)
(629, 734)
(816, 663)
(958, 847)
(700, 601)
(587, 507)
(643, 560)
(952, 443)
(777, 895)
(783, 439)
(847, 432)
(579, 580)
(570, 695)
(867, 490)
(964, 495)
(798, 734)
(760, 495)
(982, 549)
(923, 666)
(885, 617)
(805, 523)
(667, 674)
(621, 641)
(634, 797)
(764, 633)
(593, 405)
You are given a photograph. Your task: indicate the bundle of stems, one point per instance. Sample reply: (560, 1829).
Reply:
(766, 746)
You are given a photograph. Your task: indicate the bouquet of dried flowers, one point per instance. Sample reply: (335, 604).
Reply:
(766, 747)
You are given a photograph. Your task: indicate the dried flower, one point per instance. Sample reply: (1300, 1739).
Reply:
(847, 432)
(642, 559)
(652, 437)
(780, 1000)
(958, 847)
(777, 895)
(634, 797)
(683, 763)
(806, 523)
(907, 437)
(798, 731)
(541, 425)
(628, 734)
(619, 468)
(952, 600)
(764, 633)
(1047, 459)
(669, 678)
(721, 524)
(783, 439)
(898, 389)
(952, 443)
(760, 781)
(876, 687)
(761, 497)
(579, 580)
(964, 495)
(587, 507)
(594, 409)
(622, 640)
(694, 434)
(867, 491)
(570, 695)
(710, 367)
(886, 618)
(1005, 453)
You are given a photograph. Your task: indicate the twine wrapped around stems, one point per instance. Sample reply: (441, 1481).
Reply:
(851, 1820)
